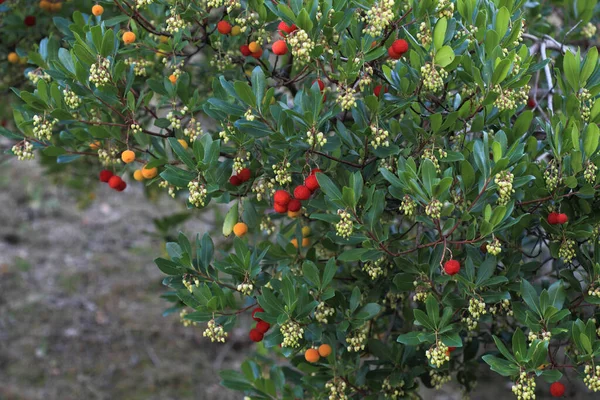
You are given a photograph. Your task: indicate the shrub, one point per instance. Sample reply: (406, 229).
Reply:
(451, 216)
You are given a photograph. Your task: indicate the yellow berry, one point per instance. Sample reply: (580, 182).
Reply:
(305, 231)
(128, 156)
(13, 58)
(183, 143)
(240, 229)
(293, 214)
(163, 39)
(97, 10)
(149, 173)
(236, 30)
(253, 47)
(138, 175)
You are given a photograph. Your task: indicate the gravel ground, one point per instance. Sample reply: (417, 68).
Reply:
(80, 313)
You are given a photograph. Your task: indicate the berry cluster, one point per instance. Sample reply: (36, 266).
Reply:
(258, 332)
(313, 355)
(242, 176)
(397, 49)
(555, 218)
(114, 181)
(283, 201)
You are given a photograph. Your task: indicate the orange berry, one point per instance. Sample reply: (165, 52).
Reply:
(149, 173)
(306, 242)
(173, 79)
(128, 37)
(240, 229)
(254, 47)
(311, 355)
(294, 214)
(55, 7)
(97, 10)
(95, 145)
(128, 156)
(279, 47)
(13, 58)
(294, 242)
(138, 175)
(45, 5)
(324, 350)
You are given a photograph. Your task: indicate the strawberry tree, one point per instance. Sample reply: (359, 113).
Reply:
(411, 186)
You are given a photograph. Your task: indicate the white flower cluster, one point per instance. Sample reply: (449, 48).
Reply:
(139, 66)
(249, 115)
(313, 137)
(245, 20)
(135, 128)
(392, 299)
(428, 154)
(408, 205)
(594, 292)
(378, 17)
(524, 387)
(567, 250)
(344, 227)
(71, 99)
(504, 181)
(421, 291)
(366, 76)
(424, 34)
(245, 288)
(189, 281)
(438, 380)
(143, 3)
(172, 190)
(494, 247)
(186, 322)
(282, 172)
(510, 99)
(357, 339)
(35, 76)
(266, 225)
(394, 392)
(379, 137)
(174, 119)
(590, 172)
(434, 209)
(23, 150)
(374, 268)
(323, 312)
(42, 127)
(592, 377)
(589, 31)
(240, 161)
(260, 187)
(301, 45)
(433, 80)
(347, 99)
(99, 72)
(198, 193)
(445, 8)
(476, 310)
(215, 332)
(193, 129)
(174, 22)
(551, 176)
(585, 105)
(438, 354)
(503, 306)
(545, 336)
(110, 157)
(292, 334)
(337, 389)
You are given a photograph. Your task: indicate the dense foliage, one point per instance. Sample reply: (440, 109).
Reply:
(411, 186)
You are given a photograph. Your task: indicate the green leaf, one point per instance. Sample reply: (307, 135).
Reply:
(503, 367)
(571, 69)
(328, 187)
(502, 20)
(589, 65)
(368, 311)
(444, 56)
(108, 43)
(258, 85)
(243, 90)
(423, 319)
(590, 141)
(439, 33)
(530, 296)
(231, 218)
(311, 272)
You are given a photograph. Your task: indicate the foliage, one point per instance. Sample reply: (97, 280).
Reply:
(482, 143)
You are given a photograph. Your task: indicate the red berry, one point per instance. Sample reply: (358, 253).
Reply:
(280, 208)
(283, 27)
(263, 326)
(314, 171)
(256, 335)
(282, 197)
(377, 90)
(245, 174)
(114, 181)
(302, 192)
(121, 186)
(400, 46)
(531, 102)
(235, 180)
(311, 183)
(451, 348)
(224, 27)
(257, 309)
(105, 175)
(29, 20)
(245, 50)
(557, 389)
(393, 55)
(562, 219)
(294, 205)
(257, 54)
(553, 218)
(451, 267)
(279, 47)
(320, 83)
